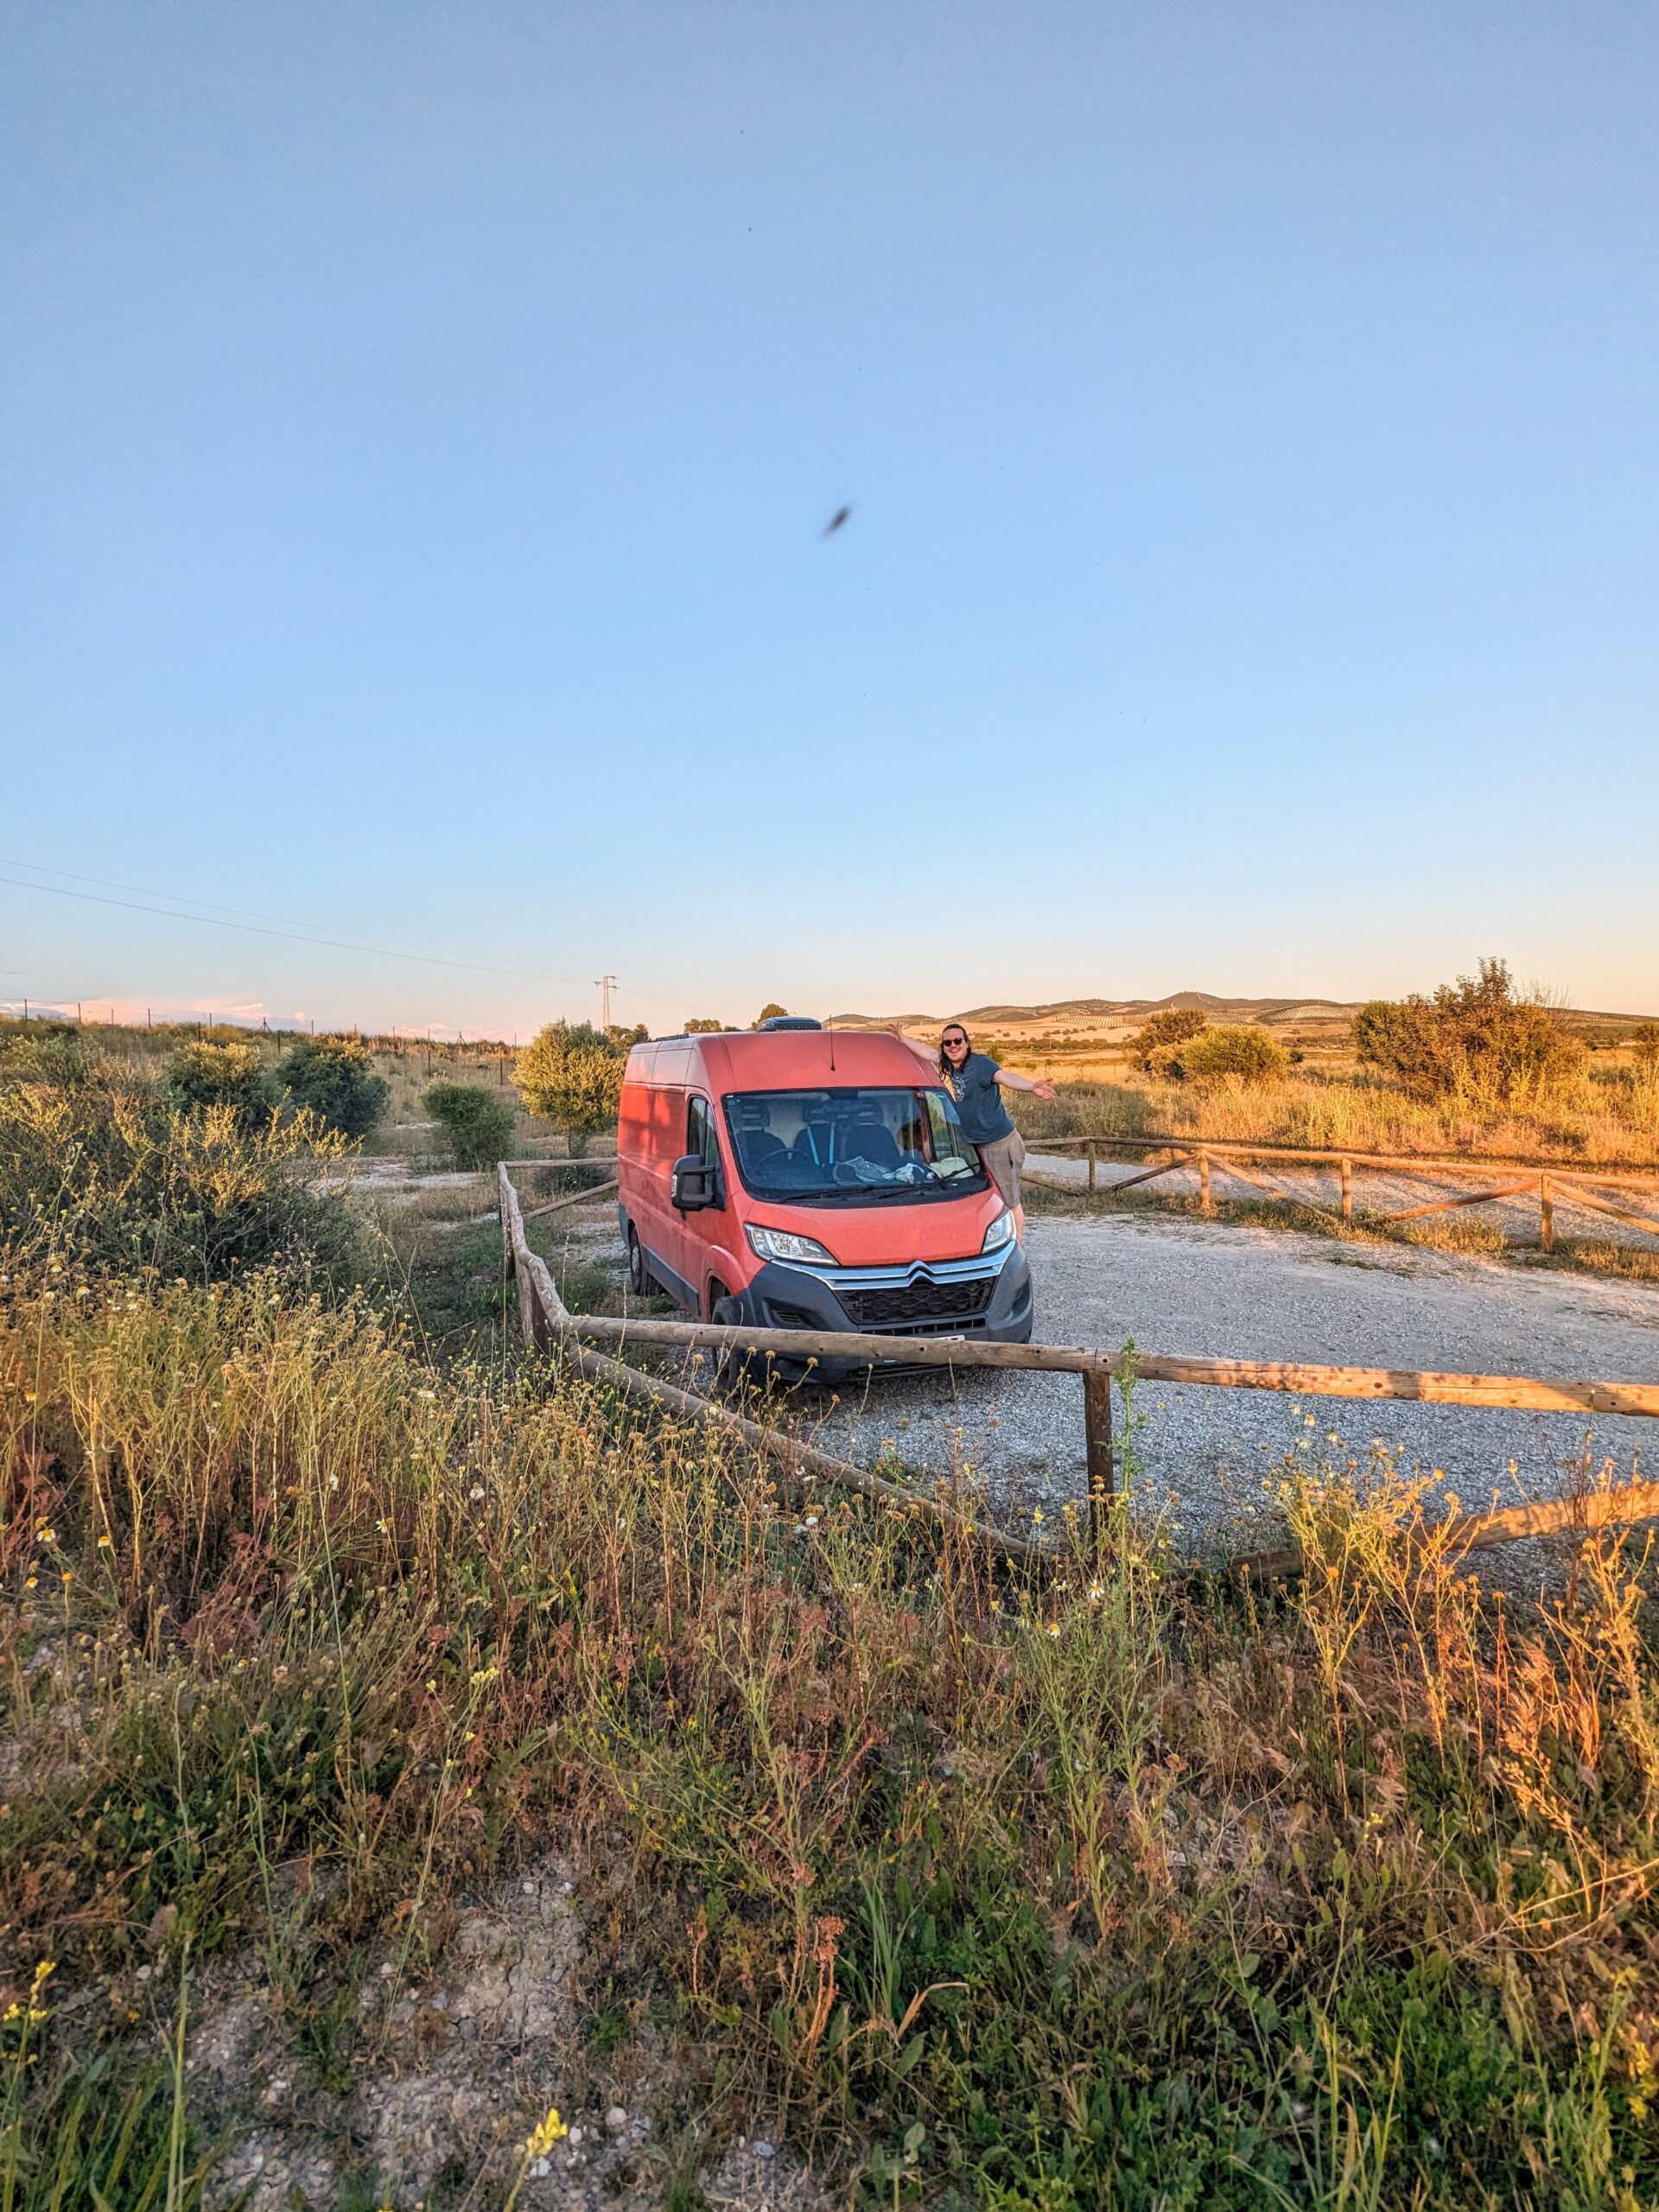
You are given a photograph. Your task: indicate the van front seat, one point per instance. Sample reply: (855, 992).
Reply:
(756, 1142)
(815, 1146)
(870, 1139)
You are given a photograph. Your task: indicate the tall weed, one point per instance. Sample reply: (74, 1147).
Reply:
(1109, 1887)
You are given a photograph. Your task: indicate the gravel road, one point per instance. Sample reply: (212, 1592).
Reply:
(1223, 1291)
(1377, 1192)
(1226, 1292)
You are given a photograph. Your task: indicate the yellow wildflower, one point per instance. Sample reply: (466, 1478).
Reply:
(545, 2134)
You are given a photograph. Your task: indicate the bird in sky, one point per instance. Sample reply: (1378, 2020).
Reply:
(836, 521)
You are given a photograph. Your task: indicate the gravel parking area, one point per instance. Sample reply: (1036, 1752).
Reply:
(1376, 1191)
(1226, 1292)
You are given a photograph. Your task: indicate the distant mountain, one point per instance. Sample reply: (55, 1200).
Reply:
(1108, 1013)
(1104, 1016)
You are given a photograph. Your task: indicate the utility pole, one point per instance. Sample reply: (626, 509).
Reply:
(606, 985)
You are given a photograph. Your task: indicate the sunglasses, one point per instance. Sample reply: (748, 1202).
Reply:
(954, 1040)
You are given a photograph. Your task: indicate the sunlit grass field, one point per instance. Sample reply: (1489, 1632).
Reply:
(1609, 1114)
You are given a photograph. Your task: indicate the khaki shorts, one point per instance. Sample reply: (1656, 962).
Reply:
(1003, 1159)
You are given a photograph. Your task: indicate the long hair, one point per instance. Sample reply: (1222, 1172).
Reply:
(945, 1068)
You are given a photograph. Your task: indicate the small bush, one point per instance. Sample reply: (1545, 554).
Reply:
(333, 1078)
(101, 1170)
(1168, 1028)
(203, 1073)
(50, 1051)
(1248, 1055)
(1645, 1042)
(572, 1076)
(1478, 1038)
(477, 1124)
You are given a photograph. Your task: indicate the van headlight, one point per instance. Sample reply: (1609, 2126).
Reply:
(784, 1244)
(1000, 1233)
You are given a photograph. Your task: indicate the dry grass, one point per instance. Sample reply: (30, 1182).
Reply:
(1608, 1115)
(1117, 1889)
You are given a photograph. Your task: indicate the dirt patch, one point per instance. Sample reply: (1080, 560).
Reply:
(448, 2078)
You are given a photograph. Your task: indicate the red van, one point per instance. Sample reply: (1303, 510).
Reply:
(795, 1176)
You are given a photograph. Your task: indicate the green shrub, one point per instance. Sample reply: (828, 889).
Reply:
(204, 1073)
(477, 1124)
(52, 1052)
(1645, 1042)
(1248, 1054)
(1478, 1038)
(704, 1025)
(572, 1077)
(100, 1169)
(1171, 1026)
(333, 1078)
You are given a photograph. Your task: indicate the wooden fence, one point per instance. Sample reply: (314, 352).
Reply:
(1554, 1184)
(546, 1323)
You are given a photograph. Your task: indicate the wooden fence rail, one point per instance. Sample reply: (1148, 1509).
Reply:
(544, 1318)
(1555, 1182)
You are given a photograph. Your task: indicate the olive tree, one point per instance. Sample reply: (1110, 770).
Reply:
(571, 1074)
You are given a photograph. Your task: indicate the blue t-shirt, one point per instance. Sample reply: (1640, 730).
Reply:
(979, 1102)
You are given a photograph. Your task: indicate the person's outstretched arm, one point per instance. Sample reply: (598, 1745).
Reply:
(1012, 1081)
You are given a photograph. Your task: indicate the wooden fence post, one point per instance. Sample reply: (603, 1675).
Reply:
(1097, 1434)
(1348, 1191)
(1206, 1203)
(1545, 1215)
(532, 1321)
(1094, 1165)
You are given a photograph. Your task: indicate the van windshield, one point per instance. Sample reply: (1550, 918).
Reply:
(829, 1146)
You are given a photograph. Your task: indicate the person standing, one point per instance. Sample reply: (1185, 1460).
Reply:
(973, 1079)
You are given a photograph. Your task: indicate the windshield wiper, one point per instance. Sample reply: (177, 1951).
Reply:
(936, 1186)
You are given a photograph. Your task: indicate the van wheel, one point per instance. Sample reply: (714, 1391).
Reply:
(640, 1281)
(729, 1369)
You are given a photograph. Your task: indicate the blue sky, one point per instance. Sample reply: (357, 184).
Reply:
(420, 421)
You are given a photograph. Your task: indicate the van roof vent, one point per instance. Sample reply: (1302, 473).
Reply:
(792, 1021)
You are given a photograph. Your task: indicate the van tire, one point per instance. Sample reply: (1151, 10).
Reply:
(641, 1281)
(730, 1367)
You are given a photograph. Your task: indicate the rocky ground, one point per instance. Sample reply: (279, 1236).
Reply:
(452, 2069)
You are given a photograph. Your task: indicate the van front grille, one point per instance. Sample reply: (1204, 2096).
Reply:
(919, 1301)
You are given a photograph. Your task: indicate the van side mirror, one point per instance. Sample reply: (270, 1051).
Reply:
(694, 1183)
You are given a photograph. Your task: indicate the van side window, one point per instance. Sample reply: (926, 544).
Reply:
(699, 1132)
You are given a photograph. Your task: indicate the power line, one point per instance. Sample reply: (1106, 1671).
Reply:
(296, 933)
(255, 929)
(318, 932)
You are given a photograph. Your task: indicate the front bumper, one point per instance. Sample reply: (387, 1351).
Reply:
(986, 1300)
